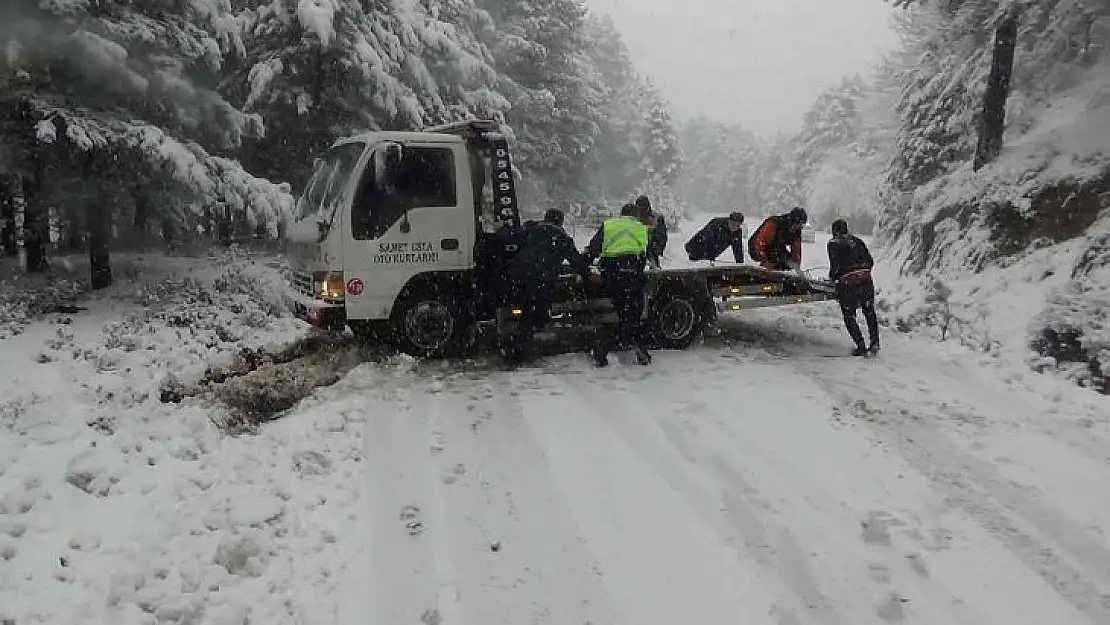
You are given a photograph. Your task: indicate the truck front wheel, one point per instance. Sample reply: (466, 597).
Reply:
(429, 325)
(675, 320)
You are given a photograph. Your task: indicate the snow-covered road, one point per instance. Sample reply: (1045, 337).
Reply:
(754, 480)
(760, 477)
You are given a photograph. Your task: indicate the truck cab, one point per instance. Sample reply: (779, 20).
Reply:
(385, 232)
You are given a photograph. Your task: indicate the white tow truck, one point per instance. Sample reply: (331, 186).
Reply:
(398, 236)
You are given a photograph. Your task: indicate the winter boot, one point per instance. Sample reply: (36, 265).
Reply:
(642, 356)
(874, 347)
(601, 359)
(860, 350)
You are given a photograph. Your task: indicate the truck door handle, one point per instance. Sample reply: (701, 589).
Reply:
(449, 244)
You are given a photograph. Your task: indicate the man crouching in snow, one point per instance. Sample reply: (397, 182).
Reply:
(777, 242)
(718, 235)
(850, 265)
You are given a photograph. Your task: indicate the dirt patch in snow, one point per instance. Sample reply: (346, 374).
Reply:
(1057, 213)
(258, 386)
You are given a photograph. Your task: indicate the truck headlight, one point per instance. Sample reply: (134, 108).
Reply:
(328, 285)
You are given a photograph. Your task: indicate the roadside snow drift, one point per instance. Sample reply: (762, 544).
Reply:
(1021, 244)
(762, 477)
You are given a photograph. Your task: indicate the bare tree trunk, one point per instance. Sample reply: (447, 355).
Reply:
(7, 218)
(142, 213)
(74, 232)
(992, 124)
(208, 222)
(140, 220)
(98, 220)
(100, 235)
(169, 231)
(36, 226)
(224, 225)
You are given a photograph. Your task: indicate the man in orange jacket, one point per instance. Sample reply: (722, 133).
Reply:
(777, 243)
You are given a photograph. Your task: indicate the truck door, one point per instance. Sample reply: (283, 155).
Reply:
(420, 220)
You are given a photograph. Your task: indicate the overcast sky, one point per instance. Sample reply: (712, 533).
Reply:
(759, 63)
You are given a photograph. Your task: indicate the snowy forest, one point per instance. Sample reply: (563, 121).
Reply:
(171, 124)
(208, 419)
(911, 124)
(160, 123)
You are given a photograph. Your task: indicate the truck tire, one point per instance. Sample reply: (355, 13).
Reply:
(675, 319)
(429, 323)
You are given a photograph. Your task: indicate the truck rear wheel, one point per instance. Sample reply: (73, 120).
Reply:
(675, 320)
(429, 324)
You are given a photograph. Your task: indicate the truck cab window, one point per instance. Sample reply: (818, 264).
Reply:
(325, 188)
(425, 178)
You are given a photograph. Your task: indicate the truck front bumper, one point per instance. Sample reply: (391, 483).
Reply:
(321, 314)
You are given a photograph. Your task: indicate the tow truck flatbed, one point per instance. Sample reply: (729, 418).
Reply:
(740, 287)
(681, 302)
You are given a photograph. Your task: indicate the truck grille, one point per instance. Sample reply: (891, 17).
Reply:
(302, 283)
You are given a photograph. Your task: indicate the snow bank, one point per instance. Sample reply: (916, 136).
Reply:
(117, 508)
(1018, 242)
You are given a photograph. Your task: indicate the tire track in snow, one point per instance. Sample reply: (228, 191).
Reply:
(777, 546)
(974, 487)
(664, 561)
(519, 551)
(990, 501)
(413, 574)
(744, 519)
(450, 609)
(798, 344)
(814, 507)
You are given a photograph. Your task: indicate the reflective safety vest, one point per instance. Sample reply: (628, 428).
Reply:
(623, 236)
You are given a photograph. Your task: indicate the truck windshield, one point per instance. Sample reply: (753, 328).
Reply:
(325, 188)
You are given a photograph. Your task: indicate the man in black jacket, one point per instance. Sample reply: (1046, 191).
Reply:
(534, 272)
(657, 242)
(718, 235)
(850, 266)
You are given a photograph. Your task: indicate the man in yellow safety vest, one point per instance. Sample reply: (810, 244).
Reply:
(621, 244)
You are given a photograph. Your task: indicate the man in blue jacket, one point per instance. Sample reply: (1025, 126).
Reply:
(718, 235)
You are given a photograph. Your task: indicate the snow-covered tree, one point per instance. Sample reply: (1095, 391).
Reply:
(943, 65)
(662, 158)
(114, 87)
(661, 163)
(558, 78)
(558, 97)
(849, 155)
(831, 122)
(615, 161)
(320, 71)
(720, 165)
